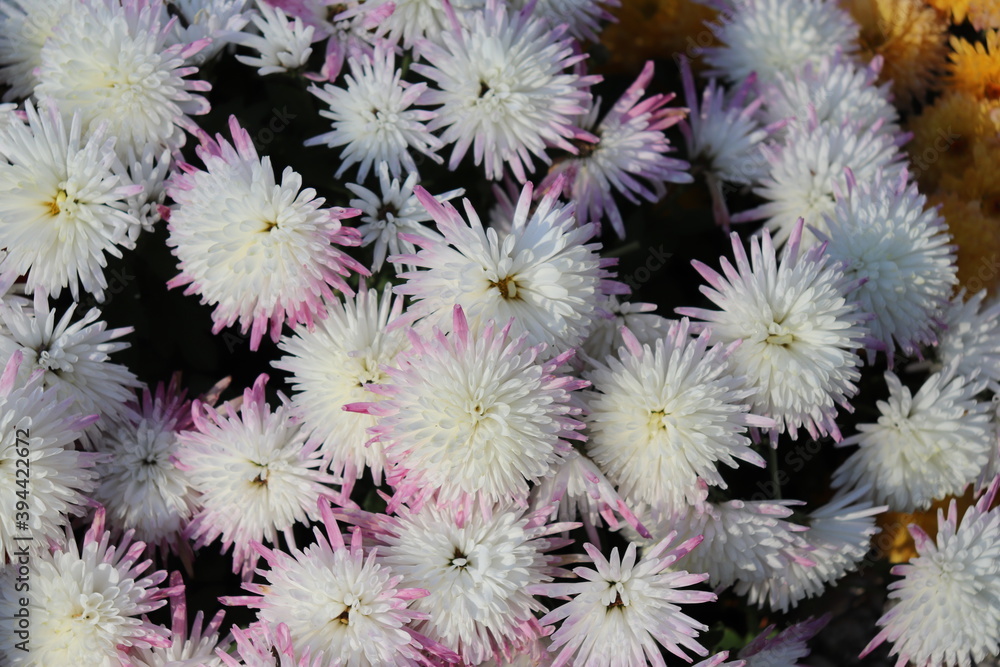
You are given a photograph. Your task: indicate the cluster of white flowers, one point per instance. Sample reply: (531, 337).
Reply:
(467, 395)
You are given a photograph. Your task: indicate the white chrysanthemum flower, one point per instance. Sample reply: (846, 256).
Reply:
(260, 251)
(543, 273)
(140, 487)
(968, 337)
(626, 154)
(505, 88)
(839, 536)
(947, 611)
(187, 647)
(798, 334)
(577, 489)
(340, 600)
(87, 604)
(256, 473)
(64, 205)
(783, 649)
(899, 250)
(388, 217)
(625, 608)
(218, 21)
(24, 27)
(810, 167)
(777, 36)
(373, 119)
(473, 419)
(834, 91)
(333, 365)
(478, 574)
(926, 445)
(745, 542)
(606, 340)
(45, 479)
(74, 357)
(725, 133)
(109, 61)
(282, 44)
(666, 416)
(412, 23)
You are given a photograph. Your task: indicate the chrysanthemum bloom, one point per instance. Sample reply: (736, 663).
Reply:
(109, 61)
(543, 274)
(255, 472)
(628, 156)
(505, 88)
(746, 543)
(64, 205)
(898, 248)
(834, 91)
(606, 340)
(339, 600)
(724, 135)
(413, 23)
(839, 536)
(350, 28)
(625, 608)
(388, 217)
(799, 335)
(40, 432)
(924, 446)
(910, 38)
(217, 20)
(140, 487)
(809, 168)
(577, 489)
(478, 571)
(373, 119)
(87, 604)
(24, 27)
(260, 252)
(967, 336)
(584, 17)
(945, 134)
(282, 45)
(975, 68)
(333, 366)
(947, 610)
(260, 645)
(473, 418)
(785, 648)
(776, 36)
(74, 357)
(187, 647)
(667, 415)
(150, 169)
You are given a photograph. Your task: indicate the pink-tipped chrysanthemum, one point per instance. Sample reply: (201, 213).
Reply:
(473, 418)
(947, 611)
(260, 252)
(339, 600)
(625, 608)
(798, 334)
(256, 474)
(506, 88)
(87, 604)
(543, 273)
(110, 60)
(628, 155)
(785, 648)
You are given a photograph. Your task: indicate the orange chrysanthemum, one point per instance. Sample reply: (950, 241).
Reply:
(945, 135)
(976, 232)
(910, 37)
(957, 8)
(649, 29)
(975, 67)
